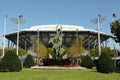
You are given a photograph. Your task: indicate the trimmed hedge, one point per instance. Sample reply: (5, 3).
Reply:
(29, 61)
(52, 62)
(87, 62)
(105, 64)
(10, 62)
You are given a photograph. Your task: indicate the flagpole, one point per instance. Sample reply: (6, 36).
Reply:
(98, 20)
(18, 36)
(38, 47)
(99, 46)
(5, 22)
(113, 19)
(19, 22)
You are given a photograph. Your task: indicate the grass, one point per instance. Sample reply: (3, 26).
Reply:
(29, 74)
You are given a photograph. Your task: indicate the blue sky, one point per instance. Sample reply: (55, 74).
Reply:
(72, 12)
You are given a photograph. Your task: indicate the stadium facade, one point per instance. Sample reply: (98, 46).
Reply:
(44, 32)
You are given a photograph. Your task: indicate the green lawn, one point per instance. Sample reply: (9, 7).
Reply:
(30, 74)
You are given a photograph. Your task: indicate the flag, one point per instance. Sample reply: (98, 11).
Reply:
(99, 15)
(20, 16)
(114, 15)
(5, 14)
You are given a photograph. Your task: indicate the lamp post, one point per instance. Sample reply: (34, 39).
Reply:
(98, 21)
(113, 19)
(5, 22)
(38, 48)
(18, 21)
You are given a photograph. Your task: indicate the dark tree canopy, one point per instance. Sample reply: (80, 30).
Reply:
(10, 62)
(115, 29)
(29, 61)
(105, 63)
(86, 61)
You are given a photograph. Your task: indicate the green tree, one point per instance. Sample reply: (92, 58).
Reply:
(33, 40)
(41, 50)
(105, 64)
(38, 47)
(29, 61)
(10, 62)
(94, 52)
(20, 51)
(76, 49)
(1, 52)
(108, 50)
(86, 61)
(115, 29)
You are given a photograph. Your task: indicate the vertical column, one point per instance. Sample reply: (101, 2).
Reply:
(25, 44)
(88, 42)
(99, 46)
(5, 22)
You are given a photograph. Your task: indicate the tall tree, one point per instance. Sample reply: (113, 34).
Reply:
(29, 61)
(115, 29)
(1, 52)
(94, 52)
(76, 49)
(38, 47)
(40, 50)
(21, 51)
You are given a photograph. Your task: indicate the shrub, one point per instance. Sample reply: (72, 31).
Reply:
(105, 64)
(52, 62)
(29, 61)
(87, 62)
(108, 51)
(10, 62)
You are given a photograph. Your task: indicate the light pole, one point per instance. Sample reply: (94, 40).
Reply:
(18, 21)
(113, 19)
(5, 22)
(98, 21)
(38, 48)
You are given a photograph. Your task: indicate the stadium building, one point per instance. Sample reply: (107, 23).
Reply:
(44, 32)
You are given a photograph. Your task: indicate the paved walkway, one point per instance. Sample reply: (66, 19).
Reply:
(57, 68)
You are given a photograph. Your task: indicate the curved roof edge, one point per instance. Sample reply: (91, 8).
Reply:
(64, 28)
(53, 27)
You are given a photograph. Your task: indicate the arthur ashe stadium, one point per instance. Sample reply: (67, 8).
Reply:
(45, 32)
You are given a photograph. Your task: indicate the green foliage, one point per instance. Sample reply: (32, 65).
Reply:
(53, 62)
(108, 51)
(38, 47)
(41, 50)
(76, 49)
(29, 61)
(10, 62)
(105, 64)
(21, 51)
(87, 62)
(115, 29)
(1, 52)
(94, 52)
